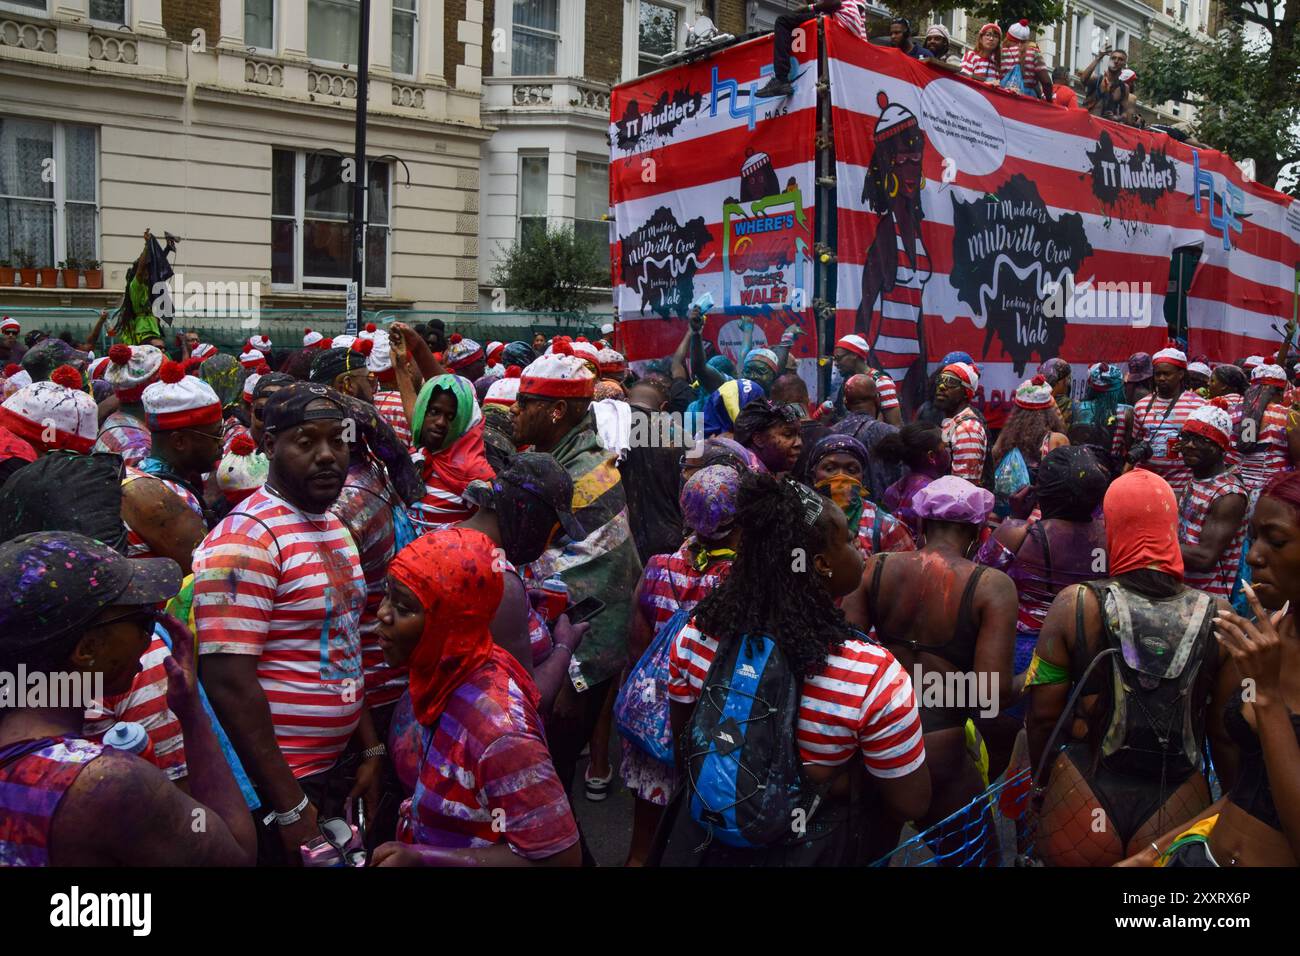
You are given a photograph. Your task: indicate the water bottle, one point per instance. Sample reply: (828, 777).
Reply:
(131, 737)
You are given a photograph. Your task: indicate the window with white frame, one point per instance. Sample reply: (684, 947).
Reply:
(406, 15)
(534, 170)
(311, 234)
(35, 6)
(109, 11)
(49, 191)
(333, 30)
(658, 28)
(1100, 37)
(535, 38)
(1121, 40)
(259, 24)
(591, 201)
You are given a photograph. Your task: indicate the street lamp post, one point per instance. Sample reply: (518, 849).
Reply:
(361, 174)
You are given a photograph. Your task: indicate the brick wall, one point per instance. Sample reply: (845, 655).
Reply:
(731, 16)
(180, 18)
(602, 53)
(453, 11)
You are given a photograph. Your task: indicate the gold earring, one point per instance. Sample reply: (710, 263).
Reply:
(922, 186)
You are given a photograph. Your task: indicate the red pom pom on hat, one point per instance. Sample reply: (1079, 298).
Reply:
(171, 372)
(326, 343)
(455, 337)
(1024, 23)
(243, 444)
(306, 331)
(119, 354)
(1220, 402)
(248, 347)
(68, 377)
(1038, 380)
(514, 371)
(561, 346)
(363, 346)
(370, 327)
(13, 368)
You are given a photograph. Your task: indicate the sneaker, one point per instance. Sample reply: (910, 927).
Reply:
(597, 788)
(775, 88)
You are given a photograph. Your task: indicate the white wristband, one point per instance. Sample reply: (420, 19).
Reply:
(291, 817)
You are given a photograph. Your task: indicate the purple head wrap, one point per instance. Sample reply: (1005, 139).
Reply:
(708, 501)
(953, 499)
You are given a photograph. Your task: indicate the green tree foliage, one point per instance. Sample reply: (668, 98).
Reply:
(552, 271)
(1246, 93)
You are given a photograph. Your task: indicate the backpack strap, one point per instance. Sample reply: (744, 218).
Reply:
(966, 610)
(1041, 538)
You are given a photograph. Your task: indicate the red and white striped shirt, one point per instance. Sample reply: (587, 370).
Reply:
(886, 390)
(849, 16)
(861, 699)
(1159, 421)
(894, 535)
(1033, 60)
(145, 704)
(286, 586)
(440, 507)
(1200, 496)
(1236, 408)
(982, 68)
(483, 774)
(124, 434)
(967, 442)
(365, 506)
(671, 582)
(389, 406)
(1273, 456)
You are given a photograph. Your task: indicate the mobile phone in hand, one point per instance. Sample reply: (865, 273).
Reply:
(585, 610)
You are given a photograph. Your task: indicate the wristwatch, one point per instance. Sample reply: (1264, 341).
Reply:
(290, 817)
(378, 750)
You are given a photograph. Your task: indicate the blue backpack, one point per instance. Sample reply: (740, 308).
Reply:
(745, 778)
(641, 710)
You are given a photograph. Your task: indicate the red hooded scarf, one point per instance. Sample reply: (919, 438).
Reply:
(454, 575)
(1142, 525)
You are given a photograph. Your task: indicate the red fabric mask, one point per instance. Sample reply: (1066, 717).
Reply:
(1142, 525)
(458, 582)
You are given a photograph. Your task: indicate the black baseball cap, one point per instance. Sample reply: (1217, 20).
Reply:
(537, 474)
(290, 406)
(54, 583)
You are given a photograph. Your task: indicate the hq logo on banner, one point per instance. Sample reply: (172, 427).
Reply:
(712, 188)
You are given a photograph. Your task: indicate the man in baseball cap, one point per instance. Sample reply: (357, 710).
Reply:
(524, 507)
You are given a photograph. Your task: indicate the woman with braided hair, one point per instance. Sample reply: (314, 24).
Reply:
(796, 558)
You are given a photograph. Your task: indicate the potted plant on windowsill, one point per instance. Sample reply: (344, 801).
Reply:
(93, 273)
(26, 267)
(49, 276)
(71, 273)
(8, 275)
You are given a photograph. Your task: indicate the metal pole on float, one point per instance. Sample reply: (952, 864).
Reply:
(361, 174)
(823, 311)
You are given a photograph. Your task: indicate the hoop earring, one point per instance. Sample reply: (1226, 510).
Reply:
(893, 190)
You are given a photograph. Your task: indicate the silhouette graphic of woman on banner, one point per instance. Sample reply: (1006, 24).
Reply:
(898, 264)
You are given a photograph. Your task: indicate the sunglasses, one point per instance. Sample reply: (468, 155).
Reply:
(950, 381)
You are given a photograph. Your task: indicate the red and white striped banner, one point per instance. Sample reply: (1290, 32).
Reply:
(712, 190)
(961, 205)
